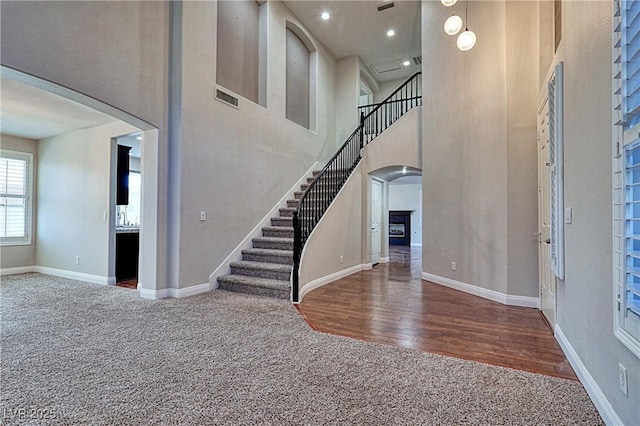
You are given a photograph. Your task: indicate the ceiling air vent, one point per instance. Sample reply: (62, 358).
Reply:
(385, 6)
(226, 98)
(417, 60)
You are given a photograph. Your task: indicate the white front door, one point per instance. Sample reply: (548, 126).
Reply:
(376, 220)
(546, 277)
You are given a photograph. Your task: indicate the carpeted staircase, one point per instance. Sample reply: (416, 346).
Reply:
(265, 269)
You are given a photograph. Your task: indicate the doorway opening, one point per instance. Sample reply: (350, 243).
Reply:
(128, 201)
(395, 211)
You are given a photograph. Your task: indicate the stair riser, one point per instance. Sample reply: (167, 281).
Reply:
(254, 290)
(274, 275)
(280, 260)
(292, 203)
(280, 221)
(273, 246)
(278, 233)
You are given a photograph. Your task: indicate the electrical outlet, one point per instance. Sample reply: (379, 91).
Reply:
(203, 216)
(77, 260)
(453, 266)
(622, 377)
(341, 259)
(104, 215)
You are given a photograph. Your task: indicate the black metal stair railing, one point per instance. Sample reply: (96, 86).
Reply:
(322, 190)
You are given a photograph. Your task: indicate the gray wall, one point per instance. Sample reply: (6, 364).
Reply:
(236, 164)
(465, 151)
(585, 298)
(25, 255)
(116, 52)
(297, 74)
(74, 179)
(238, 47)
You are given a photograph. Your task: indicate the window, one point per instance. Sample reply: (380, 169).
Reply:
(626, 172)
(15, 198)
(556, 169)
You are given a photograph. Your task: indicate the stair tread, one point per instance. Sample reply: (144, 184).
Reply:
(278, 228)
(255, 281)
(250, 264)
(271, 252)
(273, 239)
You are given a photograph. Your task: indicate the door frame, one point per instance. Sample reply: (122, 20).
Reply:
(544, 258)
(375, 181)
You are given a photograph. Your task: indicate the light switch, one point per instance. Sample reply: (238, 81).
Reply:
(568, 215)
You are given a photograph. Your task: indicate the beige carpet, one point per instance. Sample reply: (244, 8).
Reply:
(89, 354)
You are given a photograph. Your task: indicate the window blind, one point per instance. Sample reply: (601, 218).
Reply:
(627, 62)
(13, 198)
(556, 170)
(626, 171)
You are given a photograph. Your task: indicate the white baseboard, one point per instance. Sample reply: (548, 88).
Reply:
(384, 260)
(485, 293)
(153, 294)
(73, 275)
(312, 285)
(598, 397)
(17, 270)
(416, 244)
(174, 293)
(367, 266)
(247, 243)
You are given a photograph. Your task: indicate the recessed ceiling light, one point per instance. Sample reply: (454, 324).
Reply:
(391, 33)
(406, 63)
(139, 138)
(325, 15)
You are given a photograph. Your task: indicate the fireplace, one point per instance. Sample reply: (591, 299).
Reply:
(400, 227)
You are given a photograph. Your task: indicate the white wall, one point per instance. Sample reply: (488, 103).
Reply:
(23, 255)
(74, 179)
(407, 197)
(235, 164)
(585, 305)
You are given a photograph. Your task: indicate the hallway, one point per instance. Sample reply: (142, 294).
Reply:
(391, 304)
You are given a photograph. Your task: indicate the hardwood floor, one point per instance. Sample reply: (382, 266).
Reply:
(391, 304)
(132, 283)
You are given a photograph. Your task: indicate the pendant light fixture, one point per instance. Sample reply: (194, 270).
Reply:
(453, 24)
(448, 2)
(467, 39)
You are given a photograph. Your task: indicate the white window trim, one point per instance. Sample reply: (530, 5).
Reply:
(621, 138)
(26, 240)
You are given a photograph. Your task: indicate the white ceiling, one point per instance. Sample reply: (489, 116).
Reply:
(357, 28)
(33, 113)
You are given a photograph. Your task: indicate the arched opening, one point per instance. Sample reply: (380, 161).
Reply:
(301, 77)
(94, 184)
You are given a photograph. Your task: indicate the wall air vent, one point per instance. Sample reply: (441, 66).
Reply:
(385, 6)
(226, 98)
(417, 60)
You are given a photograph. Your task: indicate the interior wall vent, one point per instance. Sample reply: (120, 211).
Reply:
(226, 98)
(385, 6)
(417, 60)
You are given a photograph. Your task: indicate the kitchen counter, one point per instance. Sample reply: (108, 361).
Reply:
(127, 229)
